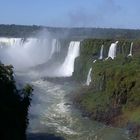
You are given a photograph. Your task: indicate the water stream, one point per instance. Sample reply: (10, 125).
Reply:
(112, 50)
(131, 47)
(89, 77)
(101, 52)
(52, 112)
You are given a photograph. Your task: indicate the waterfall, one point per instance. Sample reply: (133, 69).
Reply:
(131, 47)
(101, 52)
(25, 53)
(94, 61)
(55, 48)
(67, 68)
(31, 52)
(5, 42)
(112, 50)
(89, 77)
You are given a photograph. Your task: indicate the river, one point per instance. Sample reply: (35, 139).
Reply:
(53, 116)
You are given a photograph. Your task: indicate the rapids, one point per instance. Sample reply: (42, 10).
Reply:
(52, 112)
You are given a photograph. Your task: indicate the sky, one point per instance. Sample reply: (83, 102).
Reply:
(72, 13)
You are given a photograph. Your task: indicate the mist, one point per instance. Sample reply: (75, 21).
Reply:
(98, 16)
(42, 55)
(29, 52)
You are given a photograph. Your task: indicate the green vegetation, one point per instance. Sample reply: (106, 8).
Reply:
(75, 33)
(14, 105)
(90, 50)
(113, 97)
(18, 30)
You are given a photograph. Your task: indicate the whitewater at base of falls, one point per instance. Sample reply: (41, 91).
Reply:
(101, 52)
(131, 48)
(112, 50)
(89, 77)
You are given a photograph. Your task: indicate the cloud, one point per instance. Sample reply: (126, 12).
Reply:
(85, 17)
(110, 7)
(82, 17)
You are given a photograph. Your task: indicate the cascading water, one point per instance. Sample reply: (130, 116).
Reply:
(55, 47)
(112, 50)
(67, 68)
(89, 77)
(131, 47)
(25, 53)
(101, 52)
(5, 42)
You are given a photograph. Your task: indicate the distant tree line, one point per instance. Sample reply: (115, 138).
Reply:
(17, 30)
(79, 33)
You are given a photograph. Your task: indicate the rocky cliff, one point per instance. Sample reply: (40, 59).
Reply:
(113, 96)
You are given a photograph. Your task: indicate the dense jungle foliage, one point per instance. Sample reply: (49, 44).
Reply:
(76, 33)
(113, 96)
(14, 105)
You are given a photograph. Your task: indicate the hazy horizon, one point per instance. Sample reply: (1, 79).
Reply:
(53, 13)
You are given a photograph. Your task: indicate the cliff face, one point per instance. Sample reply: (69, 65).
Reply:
(13, 106)
(90, 50)
(113, 96)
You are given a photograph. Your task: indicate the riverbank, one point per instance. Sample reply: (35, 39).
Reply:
(113, 95)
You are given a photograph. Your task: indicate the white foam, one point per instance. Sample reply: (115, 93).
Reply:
(89, 77)
(131, 47)
(101, 52)
(25, 53)
(112, 50)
